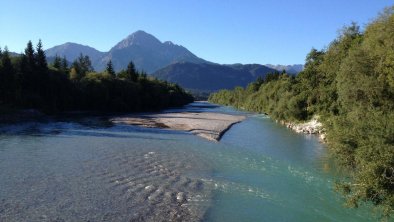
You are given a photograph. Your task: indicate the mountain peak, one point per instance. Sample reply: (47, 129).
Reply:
(168, 43)
(146, 51)
(140, 32)
(72, 51)
(73, 44)
(140, 35)
(138, 38)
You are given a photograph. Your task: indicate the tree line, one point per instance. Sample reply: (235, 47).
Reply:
(29, 82)
(350, 86)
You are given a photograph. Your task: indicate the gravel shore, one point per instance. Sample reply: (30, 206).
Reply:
(208, 125)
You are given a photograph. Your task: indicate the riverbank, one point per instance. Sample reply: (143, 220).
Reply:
(208, 125)
(12, 116)
(313, 126)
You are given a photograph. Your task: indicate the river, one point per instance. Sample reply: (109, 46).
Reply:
(85, 169)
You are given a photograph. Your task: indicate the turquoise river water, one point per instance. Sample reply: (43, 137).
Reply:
(85, 169)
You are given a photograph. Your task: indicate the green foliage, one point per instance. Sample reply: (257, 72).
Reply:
(57, 63)
(27, 82)
(80, 67)
(29, 53)
(7, 78)
(129, 74)
(270, 96)
(64, 65)
(366, 98)
(110, 69)
(40, 58)
(351, 86)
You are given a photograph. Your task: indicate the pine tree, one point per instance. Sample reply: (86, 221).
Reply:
(110, 69)
(7, 78)
(2, 82)
(86, 64)
(143, 75)
(76, 70)
(30, 58)
(57, 63)
(5, 59)
(41, 59)
(81, 66)
(28, 70)
(23, 68)
(64, 65)
(131, 72)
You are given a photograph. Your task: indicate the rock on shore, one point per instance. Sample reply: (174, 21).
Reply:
(313, 126)
(208, 125)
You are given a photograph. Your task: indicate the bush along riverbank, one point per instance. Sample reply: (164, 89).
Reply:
(350, 85)
(29, 82)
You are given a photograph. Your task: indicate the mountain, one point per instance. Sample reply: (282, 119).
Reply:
(51, 60)
(211, 77)
(254, 69)
(168, 61)
(14, 54)
(292, 69)
(146, 51)
(72, 50)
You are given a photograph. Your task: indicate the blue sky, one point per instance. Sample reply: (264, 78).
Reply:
(222, 31)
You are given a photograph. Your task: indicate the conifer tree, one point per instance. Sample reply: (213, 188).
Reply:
(30, 58)
(143, 75)
(64, 65)
(57, 63)
(86, 64)
(131, 72)
(2, 82)
(42, 64)
(7, 75)
(28, 69)
(110, 68)
(76, 71)
(5, 60)
(81, 66)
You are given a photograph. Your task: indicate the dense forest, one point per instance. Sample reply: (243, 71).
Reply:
(29, 82)
(350, 87)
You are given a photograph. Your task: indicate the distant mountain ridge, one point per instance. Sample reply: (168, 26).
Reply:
(72, 50)
(292, 69)
(169, 61)
(14, 54)
(211, 77)
(145, 50)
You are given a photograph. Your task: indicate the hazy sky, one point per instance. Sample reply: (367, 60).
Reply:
(223, 31)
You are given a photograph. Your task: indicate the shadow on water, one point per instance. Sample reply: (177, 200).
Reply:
(98, 125)
(104, 134)
(89, 127)
(198, 107)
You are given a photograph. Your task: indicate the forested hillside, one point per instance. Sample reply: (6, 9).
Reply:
(350, 86)
(211, 77)
(27, 81)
